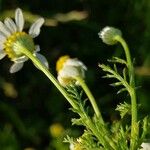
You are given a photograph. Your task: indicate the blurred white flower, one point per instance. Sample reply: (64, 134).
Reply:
(68, 69)
(76, 146)
(108, 35)
(145, 146)
(12, 32)
(71, 147)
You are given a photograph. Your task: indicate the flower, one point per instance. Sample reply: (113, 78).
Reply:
(11, 32)
(71, 147)
(108, 35)
(76, 145)
(145, 146)
(56, 130)
(68, 69)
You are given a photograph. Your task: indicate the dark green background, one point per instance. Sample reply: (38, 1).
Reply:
(25, 120)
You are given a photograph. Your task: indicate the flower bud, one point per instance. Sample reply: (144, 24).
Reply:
(108, 35)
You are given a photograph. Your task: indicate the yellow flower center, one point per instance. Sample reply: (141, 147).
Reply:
(60, 62)
(67, 81)
(21, 37)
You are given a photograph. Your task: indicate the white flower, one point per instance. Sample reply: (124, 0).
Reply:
(145, 146)
(71, 147)
(12, 32)
(108, 35)
(68, 69)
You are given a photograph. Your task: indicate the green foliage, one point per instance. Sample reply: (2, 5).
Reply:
(8, 140)
(124, 109)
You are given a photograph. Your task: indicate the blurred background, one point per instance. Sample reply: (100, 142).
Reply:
(33, 114)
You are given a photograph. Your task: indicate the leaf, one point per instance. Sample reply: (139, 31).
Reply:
(124, 109)
(145, 127)
(124, 74)
(77, 121)
(74, 110)
(121, 90)
(145, 124)
(117, 60)
(108, 76)
(105, 68)
(68, 139)
(115, 68)
(116, 84)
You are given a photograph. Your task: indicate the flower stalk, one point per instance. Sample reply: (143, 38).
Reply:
(131, 91)
(44, 69)
(91, 98)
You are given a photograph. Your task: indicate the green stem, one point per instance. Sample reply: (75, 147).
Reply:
(127, 53)
(132, 90)
(91, 98)
(60, 88)
(104, 139)
(46, 72)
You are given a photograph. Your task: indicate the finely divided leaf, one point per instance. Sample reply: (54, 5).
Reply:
(124, 108)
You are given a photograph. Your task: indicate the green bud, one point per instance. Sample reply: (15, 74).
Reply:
(108, 35)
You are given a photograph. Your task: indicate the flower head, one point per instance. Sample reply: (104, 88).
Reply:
(76, 145)
(56, 130)
(68, 69)
(108, 35)
(11, 32)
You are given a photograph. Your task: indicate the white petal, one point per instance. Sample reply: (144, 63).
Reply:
(37, 48)
(75, 62)
(34, 30)
(42, 59)
(2, 36)
(19, 19)
(67, 75)
(10, 25)
(2, 40)
(145, 146)
(71, 146)
(69, 72)
(1, 46)
(2, 54)
(21, 59)
(72, 62)
(15, 67)
(4, 29)
(62, 81)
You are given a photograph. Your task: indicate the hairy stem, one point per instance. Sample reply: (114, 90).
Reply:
(132, 90)
(46, 72)
(91, 98)
(104, 139)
